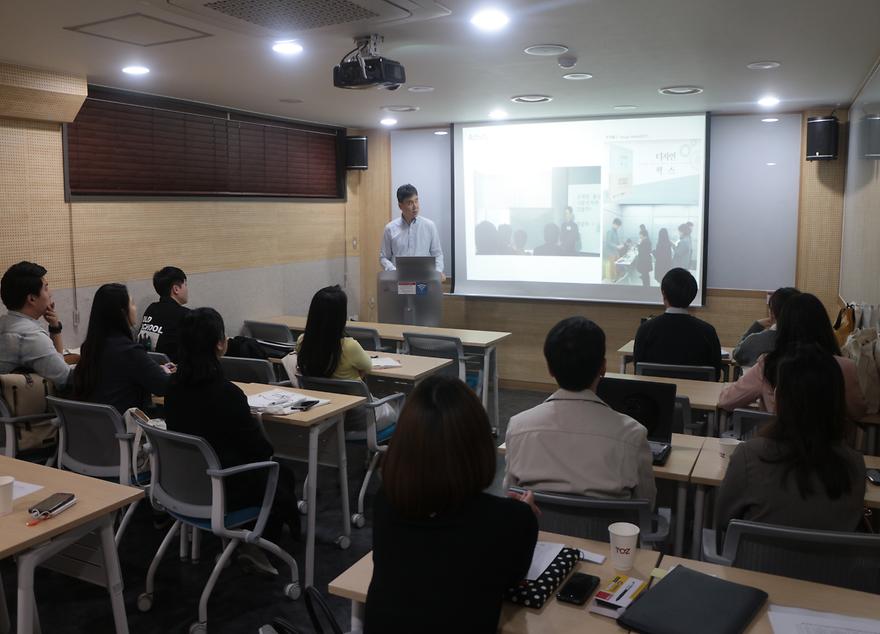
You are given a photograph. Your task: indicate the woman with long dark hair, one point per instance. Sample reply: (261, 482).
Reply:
(662, 255)
(113, 369)
(444, 551)
(798, 471)
(203, 403)
(323, 350)
(643, 259)
(802, 321)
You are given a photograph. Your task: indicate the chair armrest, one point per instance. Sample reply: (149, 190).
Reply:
(663, 520)
(30, 418)
(125, 436)
(386, 399)
(217, 523)
(710, 549)
(287, 383)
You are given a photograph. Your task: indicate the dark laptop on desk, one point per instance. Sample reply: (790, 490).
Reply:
(650, 403)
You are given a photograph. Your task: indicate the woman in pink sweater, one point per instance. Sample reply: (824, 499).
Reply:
(803, 321)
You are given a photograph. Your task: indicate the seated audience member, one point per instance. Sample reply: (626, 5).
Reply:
(802, 321)
(520, 238)
(444, 551)
(798, 471)
(24, 343)
(675, 337)
(324, 351)
(551, 241)
(761, 335)
(573, 442)
(202, 402)
(161, 320)
(113, 369)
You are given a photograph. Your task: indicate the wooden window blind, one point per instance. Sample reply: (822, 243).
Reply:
(128, 144)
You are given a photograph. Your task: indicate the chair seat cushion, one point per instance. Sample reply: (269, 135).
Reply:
(230, 520)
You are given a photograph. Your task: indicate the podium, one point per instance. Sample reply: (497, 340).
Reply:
(412, 294)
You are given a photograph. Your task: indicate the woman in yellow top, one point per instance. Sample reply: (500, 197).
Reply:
(324, 351)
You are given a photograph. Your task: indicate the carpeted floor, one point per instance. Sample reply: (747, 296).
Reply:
(241, 602)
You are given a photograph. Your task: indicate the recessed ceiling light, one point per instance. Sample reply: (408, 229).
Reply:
(421, 89)
(490, 20)
(135, 70)
(287, 47)
(577, 76)
(388, 121)
(441, 132)
(531, 98)
(771, 164)
(768, 101)
(767, 65)
(625, 107)
(681, 90)
(290, 100)
(399, 108)
(769, 120)
(546, 49)
(498, 113)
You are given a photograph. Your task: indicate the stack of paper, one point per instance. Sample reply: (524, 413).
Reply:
(282, 401)
(384, 362)
(786, 620)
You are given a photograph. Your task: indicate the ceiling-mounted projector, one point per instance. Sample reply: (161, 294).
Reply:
(362, 67)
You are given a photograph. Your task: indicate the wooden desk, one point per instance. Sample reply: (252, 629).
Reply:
(678, 467)
(626, 355)
(97, 501)
(552, 617)
(787, 592)
(412, 368)
(316, 421)
(485, 340)
(710, 470)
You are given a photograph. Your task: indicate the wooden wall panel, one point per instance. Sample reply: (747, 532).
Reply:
(375, 198)
(27, 93)
(820, 219)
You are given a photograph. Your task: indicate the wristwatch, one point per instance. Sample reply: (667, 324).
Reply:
(55, 330)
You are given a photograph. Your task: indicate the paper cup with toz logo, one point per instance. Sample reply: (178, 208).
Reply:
(624, 542)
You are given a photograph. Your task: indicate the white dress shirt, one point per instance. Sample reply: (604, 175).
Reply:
(402, 238)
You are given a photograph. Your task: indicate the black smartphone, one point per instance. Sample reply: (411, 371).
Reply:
(52, 505)
(578, 588)
(874, 476)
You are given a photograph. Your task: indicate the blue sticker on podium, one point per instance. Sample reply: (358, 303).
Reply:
(421, 288)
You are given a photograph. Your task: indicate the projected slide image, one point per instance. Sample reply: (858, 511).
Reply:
(566, 223)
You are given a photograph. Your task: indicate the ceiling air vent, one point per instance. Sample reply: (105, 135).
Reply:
(286, 18)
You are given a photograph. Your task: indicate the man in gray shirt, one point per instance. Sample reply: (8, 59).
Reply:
(24, 343)
(760, 338)
(410, 234)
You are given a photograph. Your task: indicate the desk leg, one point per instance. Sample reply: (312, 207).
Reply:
(494, 366)
(26, 604)
(114, 575)
(872, 448)
(5, 623)
(487, 365)
(699, 508)
(357, 616)
(312, 501)
(623, 360)
(343, 477)
(680, 506)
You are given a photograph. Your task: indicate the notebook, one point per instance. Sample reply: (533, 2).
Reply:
(689, 602)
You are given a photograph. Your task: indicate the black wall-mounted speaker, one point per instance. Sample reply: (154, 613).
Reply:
(822, 138)
(355, 152)
(871, 131)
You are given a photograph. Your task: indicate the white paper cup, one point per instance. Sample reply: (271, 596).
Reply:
(6, 483)
(624, 543)
(726, 447)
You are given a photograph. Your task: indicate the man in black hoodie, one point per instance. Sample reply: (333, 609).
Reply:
(161, 320)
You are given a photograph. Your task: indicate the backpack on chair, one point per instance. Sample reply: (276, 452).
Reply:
(24, 394)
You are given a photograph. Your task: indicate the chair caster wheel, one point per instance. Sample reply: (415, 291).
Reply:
(303, 507)
(358, 520)
(198, 628)
(292, 591)
(343, 541)
(145, 602)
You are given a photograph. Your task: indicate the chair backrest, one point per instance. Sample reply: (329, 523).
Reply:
(92, 439)
(159, 357)
(747, 422)
(247, 370)
(848, 560)
(695, 372)
(277, 333)
(356, 420)
(439, 346)
(179, 465)
(589, 517)
(367, 337)
(23, 399)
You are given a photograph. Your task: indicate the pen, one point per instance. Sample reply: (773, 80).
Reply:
(625, 590)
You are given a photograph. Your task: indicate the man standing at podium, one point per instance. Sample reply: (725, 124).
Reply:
(409, 234)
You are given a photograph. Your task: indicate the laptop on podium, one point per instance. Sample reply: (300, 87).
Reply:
(650, 403)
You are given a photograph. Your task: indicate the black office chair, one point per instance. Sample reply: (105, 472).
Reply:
(693, 372)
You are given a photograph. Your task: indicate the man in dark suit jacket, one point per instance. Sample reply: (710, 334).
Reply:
(677, 337)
